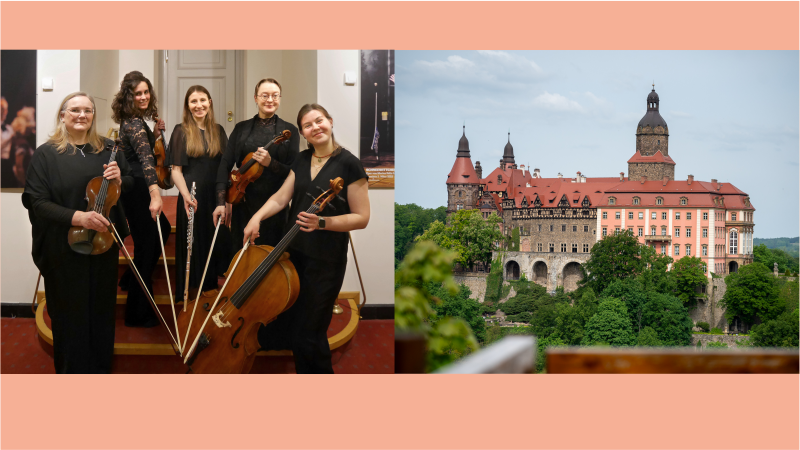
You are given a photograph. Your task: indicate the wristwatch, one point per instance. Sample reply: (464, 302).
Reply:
(321, 223)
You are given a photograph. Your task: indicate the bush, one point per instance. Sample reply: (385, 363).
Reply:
(699, 344)
(716, 330)
(703, 326)
(717, 345)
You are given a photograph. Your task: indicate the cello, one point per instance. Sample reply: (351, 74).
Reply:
(265, 285)
(163, 172)
(101, 195)
(238, 179)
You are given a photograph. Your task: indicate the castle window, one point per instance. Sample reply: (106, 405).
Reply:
(630, 230)
(658, 142)
(459, 207)
(652, 231)
(663, 231)
(688, 232)
(635, 200)
(677, 250)
(630, 215)
(605, 215)
(616, 215)
(563, 227)
(616, 230)
(677, 216)
(688, 249)
(641, 231)
(539, 247)
(574, 228)
(499, 179)
(734, 241)
(605, 231)
(733, 216)
(612, 201)
(552, 248)
(460, 194)
(641, 215)
(705, 216)
(663, 216)
(663, 249)
(574, 248)
(563, 248)
(688, 216)
(586, 228)
(683, 201)
(551, 228)
(540, 229)
(659, 200)
(705, 270)
(653, 216)
(705, 232)
(585, 248)
(705, 250)
(677, 232)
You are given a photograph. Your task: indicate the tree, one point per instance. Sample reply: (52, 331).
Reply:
(780, 332)
(648, 338)
(667, 316)
(688, 276)
(468, 234)
(751, 294)
(458, 305)
(658, 278)
(632, 293)
(411, 221)
(615, 257)
(610, 326)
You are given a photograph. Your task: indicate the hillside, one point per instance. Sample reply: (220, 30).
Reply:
(789, 245)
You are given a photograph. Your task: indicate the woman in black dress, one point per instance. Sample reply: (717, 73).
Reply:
(134, 103)
(196, 146)
(81, 289)
(319, 254)
(248, 137)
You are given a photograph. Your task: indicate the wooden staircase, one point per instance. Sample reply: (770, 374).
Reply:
(156, 340)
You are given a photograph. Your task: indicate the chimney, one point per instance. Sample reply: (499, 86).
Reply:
(583, 178)
(643, 178)
(690, 179)
(719, 186)
(713, 181)
(664, 182)
(502, 165)
(478, 169)
(622, 176)
(536, 173)
(560, 176)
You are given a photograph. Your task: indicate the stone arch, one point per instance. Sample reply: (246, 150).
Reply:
(733, 267)
(540, 272)
(512, 270)
(572, 274)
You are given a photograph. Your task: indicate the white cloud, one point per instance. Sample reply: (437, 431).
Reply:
(557, 102)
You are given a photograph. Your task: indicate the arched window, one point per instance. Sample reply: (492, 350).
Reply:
(734, 241)
(659, 200)
(635, 200)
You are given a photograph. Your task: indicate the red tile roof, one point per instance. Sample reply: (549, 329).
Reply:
(657, 158)
(698, 194)
(462, 172)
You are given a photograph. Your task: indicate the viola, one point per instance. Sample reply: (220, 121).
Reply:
(163, 172)
(238, 179)
(102, 195)
(261, 283)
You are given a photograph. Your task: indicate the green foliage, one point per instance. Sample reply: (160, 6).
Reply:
(411, 221)
(699, 344)
(703, 326)
(689, 275)
(615, 257)
(780, 332)
(715, 330)
(495, 333)
(494, 285)
(657, 278)
(669, 318)
(648, 338)
(789, 245)
(467, 233)
(752, 293)
(785, 255)
(542, 344)
(633, 294)
(789, 294)
(448, 338)
(458, 305)
(610, 325)
(713, 344)
(514, 243)
(571, 320)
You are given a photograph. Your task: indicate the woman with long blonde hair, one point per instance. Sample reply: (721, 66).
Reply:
(196, 145)
(81, 289)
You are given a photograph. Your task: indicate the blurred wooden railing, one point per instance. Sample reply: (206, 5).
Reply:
(512, 354)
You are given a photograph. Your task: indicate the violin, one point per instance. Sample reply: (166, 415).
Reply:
(102, 195)
(249, 172)
(163, 172)
(261, 283)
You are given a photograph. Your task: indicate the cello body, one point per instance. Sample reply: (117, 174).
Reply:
(232, 333)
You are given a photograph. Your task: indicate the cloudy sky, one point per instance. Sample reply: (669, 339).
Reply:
(732, 116)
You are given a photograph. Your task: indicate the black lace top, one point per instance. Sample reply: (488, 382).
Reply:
(137, 146)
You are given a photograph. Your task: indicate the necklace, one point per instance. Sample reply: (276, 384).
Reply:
(80, 148)
(320, 158)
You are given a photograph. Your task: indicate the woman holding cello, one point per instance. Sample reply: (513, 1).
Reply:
(319, 254)
(81, 289)
(196, 145)
(251, 137)
(134, 103)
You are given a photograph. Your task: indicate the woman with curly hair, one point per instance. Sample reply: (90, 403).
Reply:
(134, 103)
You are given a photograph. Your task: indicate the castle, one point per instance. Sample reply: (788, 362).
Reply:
(560, 219)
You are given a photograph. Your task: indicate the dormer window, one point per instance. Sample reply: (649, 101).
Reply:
(684, 201)
(659, 201)
(612, 201)
(499, 179)
(635, 200)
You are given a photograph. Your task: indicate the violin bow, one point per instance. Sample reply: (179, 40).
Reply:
(118, 240)
(199, 291)
(169, 287)
(227, 279)
(189, 242)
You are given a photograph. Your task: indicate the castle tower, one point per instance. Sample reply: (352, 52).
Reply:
(652, 146)
(508, 153)
(463, 182)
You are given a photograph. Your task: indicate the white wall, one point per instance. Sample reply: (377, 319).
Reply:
(375, 244)
(17, 271)
(260, 64)
(99, 77)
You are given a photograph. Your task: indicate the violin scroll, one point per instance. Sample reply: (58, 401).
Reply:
(337, 184)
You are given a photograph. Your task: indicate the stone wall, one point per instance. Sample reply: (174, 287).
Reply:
(537, 231)
(649, 141)
(555, 264)
(475, 281)
(465, 195)
(709, 310)
(653, 171)
(727, 339)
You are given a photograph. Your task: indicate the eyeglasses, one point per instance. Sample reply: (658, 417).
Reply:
(78, 112)
(265, 97)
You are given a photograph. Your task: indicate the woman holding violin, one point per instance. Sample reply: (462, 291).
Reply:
(196, 145)
(249, 138)
(81, 289)
(319, 254)
(134, 103)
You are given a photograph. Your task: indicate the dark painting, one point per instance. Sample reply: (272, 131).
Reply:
(18, 91)
(377, 117)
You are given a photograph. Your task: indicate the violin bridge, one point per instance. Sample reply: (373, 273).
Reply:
(217, 318)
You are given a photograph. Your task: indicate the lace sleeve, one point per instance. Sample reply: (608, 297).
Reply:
(134, 130)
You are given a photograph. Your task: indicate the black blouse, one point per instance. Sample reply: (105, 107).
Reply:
(137, 141)
(56, 187)
(323, 244)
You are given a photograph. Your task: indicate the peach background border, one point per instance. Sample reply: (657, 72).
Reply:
(404, 411)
